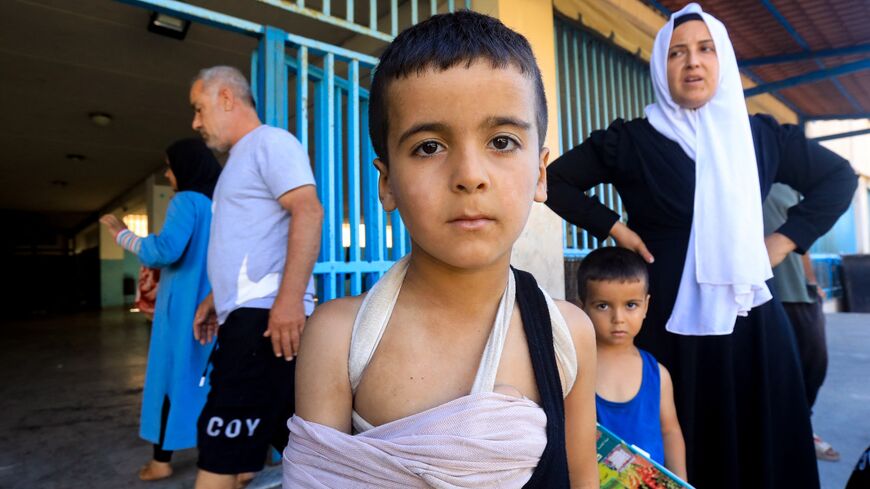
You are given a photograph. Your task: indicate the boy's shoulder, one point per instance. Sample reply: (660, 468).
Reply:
(338, 313)
(578, 323)
(330, 326)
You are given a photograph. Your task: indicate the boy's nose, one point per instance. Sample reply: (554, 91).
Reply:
(469, 173)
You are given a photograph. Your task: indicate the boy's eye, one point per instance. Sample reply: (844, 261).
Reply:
(428, 148)
(631, 305)
(601, 307)
(504, 143)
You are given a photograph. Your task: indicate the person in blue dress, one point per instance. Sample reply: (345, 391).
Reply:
(173, 397)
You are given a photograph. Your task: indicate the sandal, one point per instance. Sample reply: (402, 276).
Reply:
(824, 450)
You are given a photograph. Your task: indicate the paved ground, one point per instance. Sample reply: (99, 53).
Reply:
(842, 411)
(70, 389)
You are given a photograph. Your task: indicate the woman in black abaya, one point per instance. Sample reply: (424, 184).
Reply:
(692, 175)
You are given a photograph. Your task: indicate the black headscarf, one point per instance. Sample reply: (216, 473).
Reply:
(194, 166)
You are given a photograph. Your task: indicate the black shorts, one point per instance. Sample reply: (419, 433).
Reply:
(250, 400)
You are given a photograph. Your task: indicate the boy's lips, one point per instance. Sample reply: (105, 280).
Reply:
(471, 222)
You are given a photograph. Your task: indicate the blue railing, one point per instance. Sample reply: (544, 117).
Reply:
(827, 269)
(597, 83)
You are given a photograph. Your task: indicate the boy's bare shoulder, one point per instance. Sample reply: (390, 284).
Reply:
(331, 324)
(578, 323)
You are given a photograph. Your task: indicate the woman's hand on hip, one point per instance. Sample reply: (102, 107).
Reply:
(778, 247)
(626, 238)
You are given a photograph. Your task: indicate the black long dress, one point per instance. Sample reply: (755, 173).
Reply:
(740, 398)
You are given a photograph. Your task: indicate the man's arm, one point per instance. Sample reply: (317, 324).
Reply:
(287, 317)
(672, 435)
(810, 275)
(580, 428)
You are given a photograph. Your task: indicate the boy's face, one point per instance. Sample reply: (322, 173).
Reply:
(464, 161)
(617, 309)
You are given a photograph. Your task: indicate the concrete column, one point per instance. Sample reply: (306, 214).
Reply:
(539, 249)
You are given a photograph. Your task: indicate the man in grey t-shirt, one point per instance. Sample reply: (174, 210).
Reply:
(795, 284)
(264, 240)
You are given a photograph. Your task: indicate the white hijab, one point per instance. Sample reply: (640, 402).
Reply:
(726, 261)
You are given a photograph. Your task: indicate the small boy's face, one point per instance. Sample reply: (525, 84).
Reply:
(617, 309)
(464, 161)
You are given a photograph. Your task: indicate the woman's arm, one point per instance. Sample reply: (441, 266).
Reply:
(672, 435)
(571, 175)
(826, 180)
(167, 247)
(580, 427)
(575, 172)
(323, 392)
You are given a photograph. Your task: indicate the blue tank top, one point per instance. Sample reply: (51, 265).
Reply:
(637, 421)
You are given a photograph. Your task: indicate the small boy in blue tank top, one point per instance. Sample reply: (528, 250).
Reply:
(633, 392)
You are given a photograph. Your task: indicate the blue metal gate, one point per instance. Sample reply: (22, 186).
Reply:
(597, 83)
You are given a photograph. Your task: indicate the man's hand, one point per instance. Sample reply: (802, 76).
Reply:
(626, 238)
(778, 247)
(114, 224)
(286, 322)
(205, 323)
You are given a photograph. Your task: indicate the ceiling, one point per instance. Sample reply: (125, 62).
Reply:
(760, 28)
(61, 61)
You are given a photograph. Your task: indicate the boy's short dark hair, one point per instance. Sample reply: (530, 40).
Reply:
(611, 264)
(442, 42)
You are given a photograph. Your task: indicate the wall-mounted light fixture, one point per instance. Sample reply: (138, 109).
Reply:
(168, 25)
(100, 119)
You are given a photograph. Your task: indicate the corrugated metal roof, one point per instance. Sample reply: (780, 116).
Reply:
(778, 27)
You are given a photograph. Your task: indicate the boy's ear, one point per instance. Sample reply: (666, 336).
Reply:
(646, 305)
(541, 188)
(385, 193)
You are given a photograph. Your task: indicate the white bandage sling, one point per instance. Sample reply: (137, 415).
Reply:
(484, 439)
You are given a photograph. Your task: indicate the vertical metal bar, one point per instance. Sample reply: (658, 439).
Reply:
(325, 135)
(569, 117)
(373, 15)
(327, 7)
(587, 110)
(353, 172)
(433, 7)
(255, 79)
(338, 187)
(559, 84)
(609, 101)
(394, 17)
(272, 81)
(300, 3)
(468, 4)
(595, 100)
(321, 169)
(575, 61)
(451, 5)
(302, 96)
(349, 15)
(415, 14)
